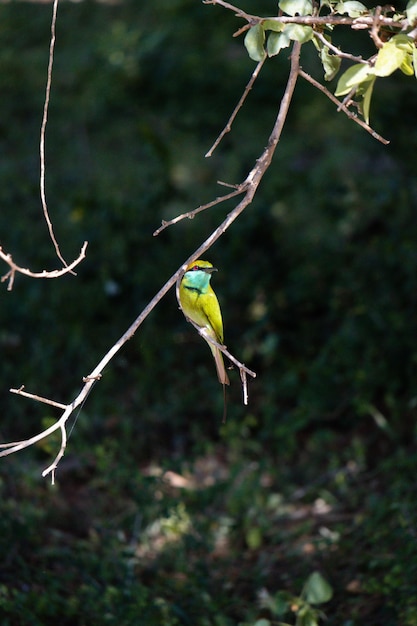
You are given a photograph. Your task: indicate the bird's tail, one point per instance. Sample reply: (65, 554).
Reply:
(221, 370)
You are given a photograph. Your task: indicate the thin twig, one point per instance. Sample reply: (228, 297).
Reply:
(342, 107)
(239, 105)
(362, 22)
(337, 51)
(14, 268)
(191, 214)
(374, 32)
(43, 131)
(20, 392)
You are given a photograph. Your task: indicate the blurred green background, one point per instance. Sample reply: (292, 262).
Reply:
(161, 514)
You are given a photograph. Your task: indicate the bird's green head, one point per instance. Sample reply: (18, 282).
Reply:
(198, 273)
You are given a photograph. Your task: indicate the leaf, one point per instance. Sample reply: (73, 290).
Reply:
(276, 42)
(331, 63)
(296, 7)
(317, 590)
(254, 42)
(411, 10)
(352, 8)
(273, 25)
(367, 95)
(300, 33)
(354, 75)
(415, 60)
(393, 55)
(262, 622)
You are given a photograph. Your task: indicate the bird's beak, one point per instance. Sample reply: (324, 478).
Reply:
(209, 270)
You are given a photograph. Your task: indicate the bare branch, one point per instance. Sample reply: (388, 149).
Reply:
(337, 51)
(239, 105)
(10, 275)
(43, 131)
(250, 184)
(191, 214)
(357, 23)
(343, 107)
(20, 392)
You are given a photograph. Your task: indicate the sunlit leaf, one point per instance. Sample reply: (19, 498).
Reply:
(331, 63)
(317, 589)
(393, 55)
(415, 60)
(300, 33)
(273, 25)
(407, 65)
(254, 42)
(352, 8)
(411, 11)
(353, 76)
(367, 96)
(296, 7)
(276, 42)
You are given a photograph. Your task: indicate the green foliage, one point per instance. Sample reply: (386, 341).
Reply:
(397, 52)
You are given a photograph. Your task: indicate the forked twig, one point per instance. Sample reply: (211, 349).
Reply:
(14, 268)
(191, 214)
(343, 107)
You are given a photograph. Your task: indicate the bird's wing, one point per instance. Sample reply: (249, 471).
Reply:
(211, 309)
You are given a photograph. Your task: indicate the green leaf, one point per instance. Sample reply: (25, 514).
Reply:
(262, 622)
(411, 10)
(354, 76)
(331, 63)
(317, 589)
(298, 32)
(296, 7)
(254, 43)
(273, 25)
(368, 88)
(352, 8)
(393, 55)
(415, 60)
(276, 42)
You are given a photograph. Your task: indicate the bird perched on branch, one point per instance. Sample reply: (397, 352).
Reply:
(199, 303)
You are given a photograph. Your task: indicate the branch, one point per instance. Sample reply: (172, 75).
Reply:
(250, 185)
(337, 51)
(239, 105)
(10, 275)
(43, 131)
(191, 214)
(358, 23)
(343, 107)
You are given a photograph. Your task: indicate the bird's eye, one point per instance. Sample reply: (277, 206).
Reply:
(195, 268)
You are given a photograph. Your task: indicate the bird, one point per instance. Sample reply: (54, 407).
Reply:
(199, 304)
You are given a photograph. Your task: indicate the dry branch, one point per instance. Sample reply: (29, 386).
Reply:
(248, 187)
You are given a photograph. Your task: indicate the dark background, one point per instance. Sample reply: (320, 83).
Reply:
(161, 514)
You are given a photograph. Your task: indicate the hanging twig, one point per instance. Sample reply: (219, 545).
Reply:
(43, 131)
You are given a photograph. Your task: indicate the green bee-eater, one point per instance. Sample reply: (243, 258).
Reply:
(199, 303)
